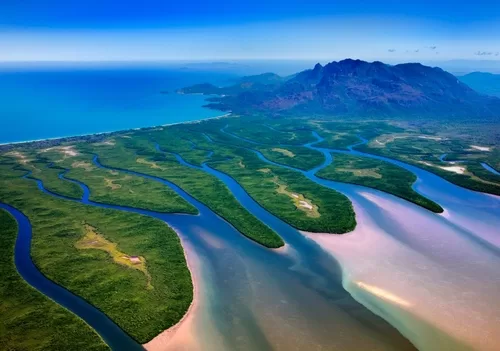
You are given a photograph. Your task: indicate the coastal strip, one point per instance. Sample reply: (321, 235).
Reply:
(92, 137)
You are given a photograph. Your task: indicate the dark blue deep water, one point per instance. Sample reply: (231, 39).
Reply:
(41, 103)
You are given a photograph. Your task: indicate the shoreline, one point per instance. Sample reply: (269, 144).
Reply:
(161, 341)
(96, 136)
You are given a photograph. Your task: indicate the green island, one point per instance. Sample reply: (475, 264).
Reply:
(376, 174)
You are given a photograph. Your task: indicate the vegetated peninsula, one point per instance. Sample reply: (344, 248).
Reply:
(356, 88)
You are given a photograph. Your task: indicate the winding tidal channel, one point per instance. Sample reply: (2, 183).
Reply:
(405, 278)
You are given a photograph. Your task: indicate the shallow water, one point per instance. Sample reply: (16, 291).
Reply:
(432, 276)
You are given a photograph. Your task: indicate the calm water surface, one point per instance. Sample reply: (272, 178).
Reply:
(42, 103)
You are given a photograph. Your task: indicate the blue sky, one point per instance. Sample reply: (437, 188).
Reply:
(213, 30)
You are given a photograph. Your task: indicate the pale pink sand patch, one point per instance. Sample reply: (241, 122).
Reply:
(68, 150)
(181, 336)
(481, 148)
(454, 169)
(195, 330)
(435, 286)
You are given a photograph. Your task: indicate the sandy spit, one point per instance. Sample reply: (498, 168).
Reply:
(181, 335)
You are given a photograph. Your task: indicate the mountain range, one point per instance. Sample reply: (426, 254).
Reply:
(355, 88)
(486, 83)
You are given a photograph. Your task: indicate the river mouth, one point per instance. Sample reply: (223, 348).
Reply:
(309, 295)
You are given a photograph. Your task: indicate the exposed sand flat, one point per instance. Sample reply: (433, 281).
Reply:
(430, 137)
(427, 279)
(481, 148)
(67, 151)
(305, 204)
(454, 169)
(109, 142)
(184, 336)
(391, 138)
(22, 158)
(285, 152)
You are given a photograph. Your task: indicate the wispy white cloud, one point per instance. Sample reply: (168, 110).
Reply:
(486, 53)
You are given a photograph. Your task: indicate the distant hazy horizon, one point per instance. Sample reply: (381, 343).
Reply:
(247, 67)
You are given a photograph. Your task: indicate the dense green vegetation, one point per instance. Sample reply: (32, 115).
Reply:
(118, 188)
(201, 185)
(341, 134)
(293, 156)
(260, 180)
(231, 157)
(29, 320)
(38, 168)
(265, 131)
(125, 294)
(378, 175)
(461, 165)
(119, 292)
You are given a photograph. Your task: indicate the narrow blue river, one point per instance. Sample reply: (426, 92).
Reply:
(116, 338)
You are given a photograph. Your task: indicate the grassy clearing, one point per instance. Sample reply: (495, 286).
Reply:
(293, 156)
(300, 202)
(29, 320)
(93, 240)
(285, 152)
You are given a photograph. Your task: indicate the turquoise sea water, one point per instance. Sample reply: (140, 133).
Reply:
(40, 103)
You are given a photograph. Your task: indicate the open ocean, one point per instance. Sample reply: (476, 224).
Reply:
(41, 103)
